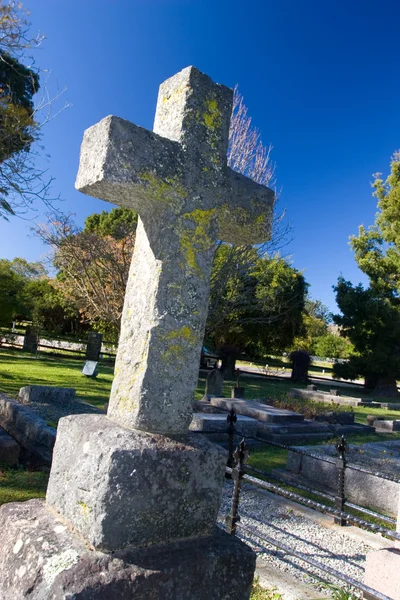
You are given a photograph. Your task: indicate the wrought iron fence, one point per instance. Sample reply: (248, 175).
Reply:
(238, 470)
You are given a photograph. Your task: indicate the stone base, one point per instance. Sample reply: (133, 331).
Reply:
(122, 487)
(9, 450)
(42, 559)
(382, 572)
(31, 432)
(245, 426)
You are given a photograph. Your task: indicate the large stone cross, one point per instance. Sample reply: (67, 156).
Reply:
(177, 179)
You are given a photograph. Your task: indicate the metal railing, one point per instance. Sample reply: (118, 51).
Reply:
(237, 470)
(233, 519)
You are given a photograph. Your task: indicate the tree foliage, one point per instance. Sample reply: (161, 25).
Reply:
(371, 317)
(254, 305)
(22, 114)
(93, 264)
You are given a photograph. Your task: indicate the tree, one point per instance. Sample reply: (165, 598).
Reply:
(332, 346)
(11, 286)
(315, 323)
(257, 308)
(93, 264)
(371, 317)
(21, 119)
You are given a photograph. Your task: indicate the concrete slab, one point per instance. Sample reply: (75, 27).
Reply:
(206, 423)
(257, 410)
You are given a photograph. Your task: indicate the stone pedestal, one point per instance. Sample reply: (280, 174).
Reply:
(41, 558)
(120, 487)
(382, 572)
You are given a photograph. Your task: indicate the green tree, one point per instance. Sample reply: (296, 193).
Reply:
(332, 346)
(371, 317)
(256, 306)
(22, 114)
(315, 321)
(11, 286)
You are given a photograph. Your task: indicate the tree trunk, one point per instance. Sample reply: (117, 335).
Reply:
(386, 387)
(371, 381)
(299, 374)
(228, 366)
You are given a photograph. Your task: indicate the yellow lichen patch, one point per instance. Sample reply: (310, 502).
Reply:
(212, 115)
(195, 236)
(184, 332)
(163, 190)
(84, 507)
(180, 339)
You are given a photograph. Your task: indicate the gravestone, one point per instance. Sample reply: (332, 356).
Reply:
(31, 340)
(214, 384)
(93, 347)
(135, 485)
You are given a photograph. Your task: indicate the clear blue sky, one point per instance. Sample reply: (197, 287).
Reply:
(321, 80)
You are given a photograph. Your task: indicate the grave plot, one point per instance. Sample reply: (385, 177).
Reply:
(30, 419)
(371, 477)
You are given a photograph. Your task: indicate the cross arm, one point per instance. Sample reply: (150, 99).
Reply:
(245, 217)
(128, 165)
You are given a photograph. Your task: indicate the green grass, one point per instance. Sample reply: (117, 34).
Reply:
(18, 485)
(259, 593)
(18, 369)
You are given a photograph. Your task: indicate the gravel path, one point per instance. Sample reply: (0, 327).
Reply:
(330, 545)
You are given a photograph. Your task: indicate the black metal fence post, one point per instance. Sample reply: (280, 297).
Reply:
(341, 463)
(231, 420)
(241, 455)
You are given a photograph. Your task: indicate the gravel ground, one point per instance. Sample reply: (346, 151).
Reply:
(330, 546)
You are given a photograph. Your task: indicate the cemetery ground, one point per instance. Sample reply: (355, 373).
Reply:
(18, 369)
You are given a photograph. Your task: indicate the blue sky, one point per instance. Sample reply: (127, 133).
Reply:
(320, 79)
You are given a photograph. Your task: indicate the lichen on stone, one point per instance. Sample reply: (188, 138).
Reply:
(195, 237)
(59, 563)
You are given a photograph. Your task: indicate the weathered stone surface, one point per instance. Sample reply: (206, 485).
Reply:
(30, 341)
(93, 348)
(46, 393)
(363, 488)
(261, 412)
(120, 487)
(237, 392)
(246, 426)
(214, 384)
(41, 559)
(9, 450)
(383, 425)
(325, 397)
(178, 181)
(30, 431)
(382, 570)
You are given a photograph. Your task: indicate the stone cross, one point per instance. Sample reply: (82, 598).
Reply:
(177, 179)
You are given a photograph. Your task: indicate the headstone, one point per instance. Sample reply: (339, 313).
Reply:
(214, 384)
(31, 340)
(90, 368)
(136, 479)
(93, 348)
(312, 387)
(46, 393)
